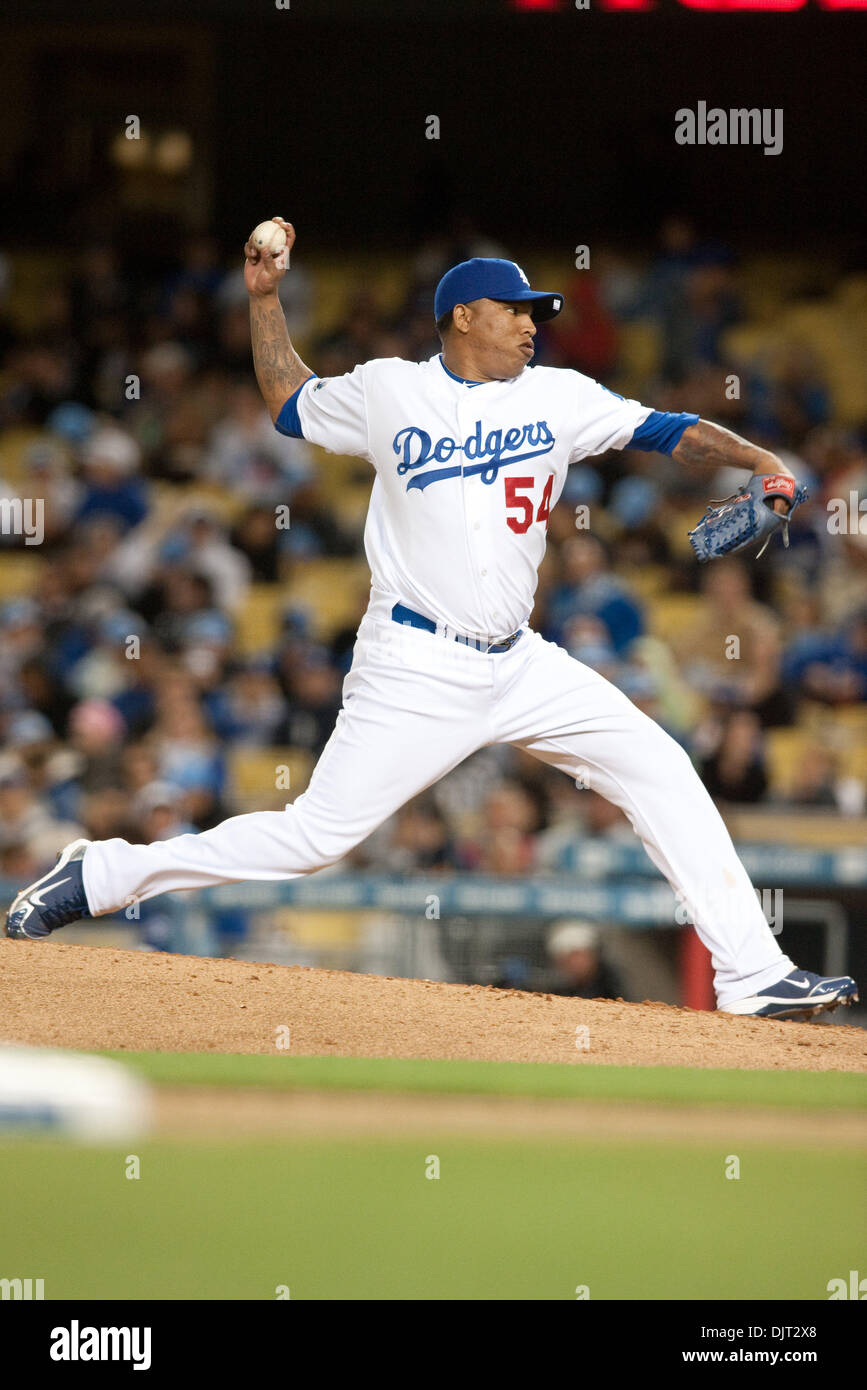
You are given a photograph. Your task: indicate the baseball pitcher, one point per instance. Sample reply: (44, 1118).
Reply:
(469, 453)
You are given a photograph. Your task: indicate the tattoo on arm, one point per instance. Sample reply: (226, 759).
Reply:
(279, 369)
(711, 446)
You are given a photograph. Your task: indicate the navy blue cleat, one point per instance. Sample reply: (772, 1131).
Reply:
(53, 900)
(800, 995)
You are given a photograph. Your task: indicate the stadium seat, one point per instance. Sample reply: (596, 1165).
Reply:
(747, 341)
(337, 472)
(837, 336)
(849, 737)
(350, 507)
(321, 930)
(14, 443)
(843, 727)
(32, 272)
(337, 281)
(647, 581)
(19, 573)
(329, 589)
(766, 283)
(673, 614)
(253, 774)
(225, 505)
(816, 830)
(785, 750)
(258, 623)
(639, 351)
(851, 720)
(392, 285)
(677, 522)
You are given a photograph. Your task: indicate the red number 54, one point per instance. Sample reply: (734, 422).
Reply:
(524, 504)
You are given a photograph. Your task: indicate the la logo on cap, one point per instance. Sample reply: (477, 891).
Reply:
(521, 273)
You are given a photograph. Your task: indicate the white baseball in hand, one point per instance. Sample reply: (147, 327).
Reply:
(269, 238)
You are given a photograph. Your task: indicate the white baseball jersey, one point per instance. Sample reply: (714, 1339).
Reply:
(466, 475)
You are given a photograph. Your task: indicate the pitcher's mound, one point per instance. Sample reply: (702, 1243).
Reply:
(99, 997)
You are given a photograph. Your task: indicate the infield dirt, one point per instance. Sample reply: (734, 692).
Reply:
(104, 998)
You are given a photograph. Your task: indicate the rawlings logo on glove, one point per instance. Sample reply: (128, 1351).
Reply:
(747, 517)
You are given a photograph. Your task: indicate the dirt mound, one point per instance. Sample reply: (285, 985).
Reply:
(92, 997)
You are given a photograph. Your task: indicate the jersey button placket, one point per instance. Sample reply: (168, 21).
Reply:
(466, 423)
(472, 502)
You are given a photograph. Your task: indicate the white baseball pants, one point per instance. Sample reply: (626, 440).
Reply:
(415, 705)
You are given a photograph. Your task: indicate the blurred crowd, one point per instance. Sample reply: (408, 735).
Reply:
(122, 690)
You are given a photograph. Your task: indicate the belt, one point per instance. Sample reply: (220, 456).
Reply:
(407, 617)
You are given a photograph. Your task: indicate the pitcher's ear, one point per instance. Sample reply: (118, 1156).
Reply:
(462, 316)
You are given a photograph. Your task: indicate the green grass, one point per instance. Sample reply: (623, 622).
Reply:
(672, 1085)
(359, 1220)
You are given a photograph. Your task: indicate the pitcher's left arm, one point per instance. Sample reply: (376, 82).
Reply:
(705, 445)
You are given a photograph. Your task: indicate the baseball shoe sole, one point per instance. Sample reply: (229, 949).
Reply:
(53, 900)
(800, 995)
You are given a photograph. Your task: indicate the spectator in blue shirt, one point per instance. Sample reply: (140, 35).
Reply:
(111, 459)
(830, 666)
(588, 589)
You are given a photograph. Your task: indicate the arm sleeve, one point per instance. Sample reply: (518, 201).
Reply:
(329, 411)
(661, 432)
(604, 420)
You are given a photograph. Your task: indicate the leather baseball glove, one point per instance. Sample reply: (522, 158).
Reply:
(747, 517)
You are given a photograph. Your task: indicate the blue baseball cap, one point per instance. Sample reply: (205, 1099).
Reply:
(486, 277)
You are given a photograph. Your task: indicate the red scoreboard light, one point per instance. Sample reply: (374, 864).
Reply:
(760, 4)
(733, 6)
(743, 4)
(717, 6)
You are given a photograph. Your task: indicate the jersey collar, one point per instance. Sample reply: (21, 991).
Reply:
(465, 381)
